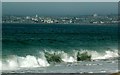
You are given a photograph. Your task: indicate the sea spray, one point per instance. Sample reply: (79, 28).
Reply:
(14, 62)
(23, 62)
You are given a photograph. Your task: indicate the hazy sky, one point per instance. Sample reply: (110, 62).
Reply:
(59, 8)
(60, 0)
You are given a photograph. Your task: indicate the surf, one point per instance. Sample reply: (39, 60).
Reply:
(46, 58)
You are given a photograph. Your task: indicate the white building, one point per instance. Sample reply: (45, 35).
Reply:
(95, 15)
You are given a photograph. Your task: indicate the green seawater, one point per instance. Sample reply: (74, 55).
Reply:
(30, 39)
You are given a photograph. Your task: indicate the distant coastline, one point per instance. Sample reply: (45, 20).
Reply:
(80, 20)
(62, 24)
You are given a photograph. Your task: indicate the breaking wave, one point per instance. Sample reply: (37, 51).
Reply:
(15, 62)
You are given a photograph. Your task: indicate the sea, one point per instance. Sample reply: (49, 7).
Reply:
(24, 48)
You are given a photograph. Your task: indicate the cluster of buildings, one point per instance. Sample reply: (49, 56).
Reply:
(89, 19)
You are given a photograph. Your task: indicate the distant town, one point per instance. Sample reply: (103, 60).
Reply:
(88, 19)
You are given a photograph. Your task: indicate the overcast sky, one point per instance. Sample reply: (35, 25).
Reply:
(59, 8)
(60, 0)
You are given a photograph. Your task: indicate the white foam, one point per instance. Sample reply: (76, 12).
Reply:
(10, 63)
(106, 55)
(23, 62)
(66, 58)
(69, 59)
(43, 63)
(17, 62)
(28, 61)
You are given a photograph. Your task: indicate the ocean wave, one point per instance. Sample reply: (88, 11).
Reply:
(15, 62)
(106, 55)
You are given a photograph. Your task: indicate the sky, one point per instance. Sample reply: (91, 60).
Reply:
(60, 0)
(59, 8)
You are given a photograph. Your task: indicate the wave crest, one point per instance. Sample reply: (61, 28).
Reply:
(14, 62)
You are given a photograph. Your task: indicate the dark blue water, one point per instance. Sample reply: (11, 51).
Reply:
(30, 39)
